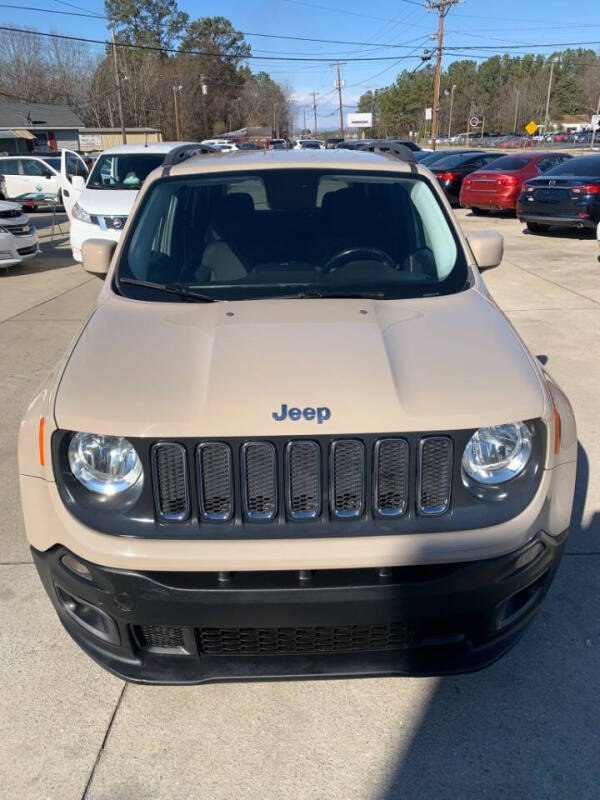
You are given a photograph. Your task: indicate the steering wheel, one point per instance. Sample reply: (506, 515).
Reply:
(356, 253)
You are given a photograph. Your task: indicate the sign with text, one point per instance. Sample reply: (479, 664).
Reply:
(359, 120)
(90, 141)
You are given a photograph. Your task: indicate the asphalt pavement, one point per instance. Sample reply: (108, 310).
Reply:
(527, 727)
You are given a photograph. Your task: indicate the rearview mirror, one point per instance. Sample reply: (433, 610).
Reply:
(78, 183)
(487, 247)
(97, 255)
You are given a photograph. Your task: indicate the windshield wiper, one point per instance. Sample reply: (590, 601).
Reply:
(170, 288)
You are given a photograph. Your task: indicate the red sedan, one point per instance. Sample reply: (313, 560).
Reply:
(497, 187)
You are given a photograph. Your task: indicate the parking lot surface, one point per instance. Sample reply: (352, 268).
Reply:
(528, 727)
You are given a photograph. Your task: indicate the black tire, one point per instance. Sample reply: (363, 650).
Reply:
(480, 212)
(537, 227)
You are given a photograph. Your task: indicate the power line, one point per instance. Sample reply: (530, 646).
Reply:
(210, 54)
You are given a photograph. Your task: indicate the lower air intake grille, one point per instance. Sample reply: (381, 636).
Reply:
(435, 474)
(348, 469)
(260, 480)
(160, 637)
(169, 463)
(391, 477)
(320, 639)
(304, 479)
(215, 479)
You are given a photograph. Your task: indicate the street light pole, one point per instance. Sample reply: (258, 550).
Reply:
(177, 130)
(451, 108)
(516, 113)
(554, 61)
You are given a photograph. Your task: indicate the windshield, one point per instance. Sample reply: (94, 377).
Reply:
(123, 170)
(508, 164)
(585, 166)
(290, 232)
(455, 160)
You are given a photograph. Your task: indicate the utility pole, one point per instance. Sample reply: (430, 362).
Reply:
(314, 105)
(442, 7)
(119, 97)
(451, 108)
(338, 86)
(554, 61)
(177, 129)
(516, 113)
(304, 128)
(595, 127)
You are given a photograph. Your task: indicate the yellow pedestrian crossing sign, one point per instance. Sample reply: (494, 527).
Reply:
(531, 127)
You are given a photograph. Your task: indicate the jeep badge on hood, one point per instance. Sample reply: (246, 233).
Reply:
(322, 413)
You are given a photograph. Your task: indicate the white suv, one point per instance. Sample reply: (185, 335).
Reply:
(30, 175)
(98, 208)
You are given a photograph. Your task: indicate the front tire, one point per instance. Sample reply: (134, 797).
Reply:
(537, 227)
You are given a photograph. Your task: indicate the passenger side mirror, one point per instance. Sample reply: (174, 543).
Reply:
(487, 247)
(78, 183)
(97, 255)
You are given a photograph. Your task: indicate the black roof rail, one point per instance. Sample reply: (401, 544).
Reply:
(183, 152)
(399, 151)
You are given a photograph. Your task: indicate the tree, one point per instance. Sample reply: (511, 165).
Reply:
(150, 23)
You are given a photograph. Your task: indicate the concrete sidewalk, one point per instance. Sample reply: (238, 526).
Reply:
(525, 728)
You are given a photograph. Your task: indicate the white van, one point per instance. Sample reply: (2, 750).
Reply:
(99, 208)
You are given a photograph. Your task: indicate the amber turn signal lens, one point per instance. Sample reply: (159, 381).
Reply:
(556, 431)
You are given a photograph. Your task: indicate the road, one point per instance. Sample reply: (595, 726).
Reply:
(528, 727)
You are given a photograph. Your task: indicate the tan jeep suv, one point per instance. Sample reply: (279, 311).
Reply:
(296, 436)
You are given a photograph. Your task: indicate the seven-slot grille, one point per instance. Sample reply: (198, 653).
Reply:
(341, 479)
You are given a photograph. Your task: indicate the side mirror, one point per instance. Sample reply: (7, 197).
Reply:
(78, 183)
(97, 255)
(487, 247)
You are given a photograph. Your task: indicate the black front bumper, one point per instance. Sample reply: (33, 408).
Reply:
(184, 628)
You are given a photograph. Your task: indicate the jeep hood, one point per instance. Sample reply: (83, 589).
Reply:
(112, 202)
(222, 369)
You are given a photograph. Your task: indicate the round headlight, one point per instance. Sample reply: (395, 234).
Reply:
(106, 465)
(498, 453)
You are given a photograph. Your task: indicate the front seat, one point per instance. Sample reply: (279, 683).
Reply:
(231, 227)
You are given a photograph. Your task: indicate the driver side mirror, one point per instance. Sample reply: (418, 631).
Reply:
(97, 255)
(487, 247)
(78, 183)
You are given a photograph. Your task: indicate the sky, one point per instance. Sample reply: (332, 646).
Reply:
(476, 28)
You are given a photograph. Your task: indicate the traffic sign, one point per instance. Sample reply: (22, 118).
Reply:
(531, 127)
(474, 122)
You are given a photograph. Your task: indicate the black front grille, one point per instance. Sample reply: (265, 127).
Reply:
(348, 470)
(435, 474)
(170, 479)
(302, 479)
(259, 474)
(391, 477)
(215, 476)
(15, 212)
(318, 639)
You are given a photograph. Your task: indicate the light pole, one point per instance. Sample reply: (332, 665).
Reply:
(177, 130)
(451, 108)
(595, 127)
(554, 61)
